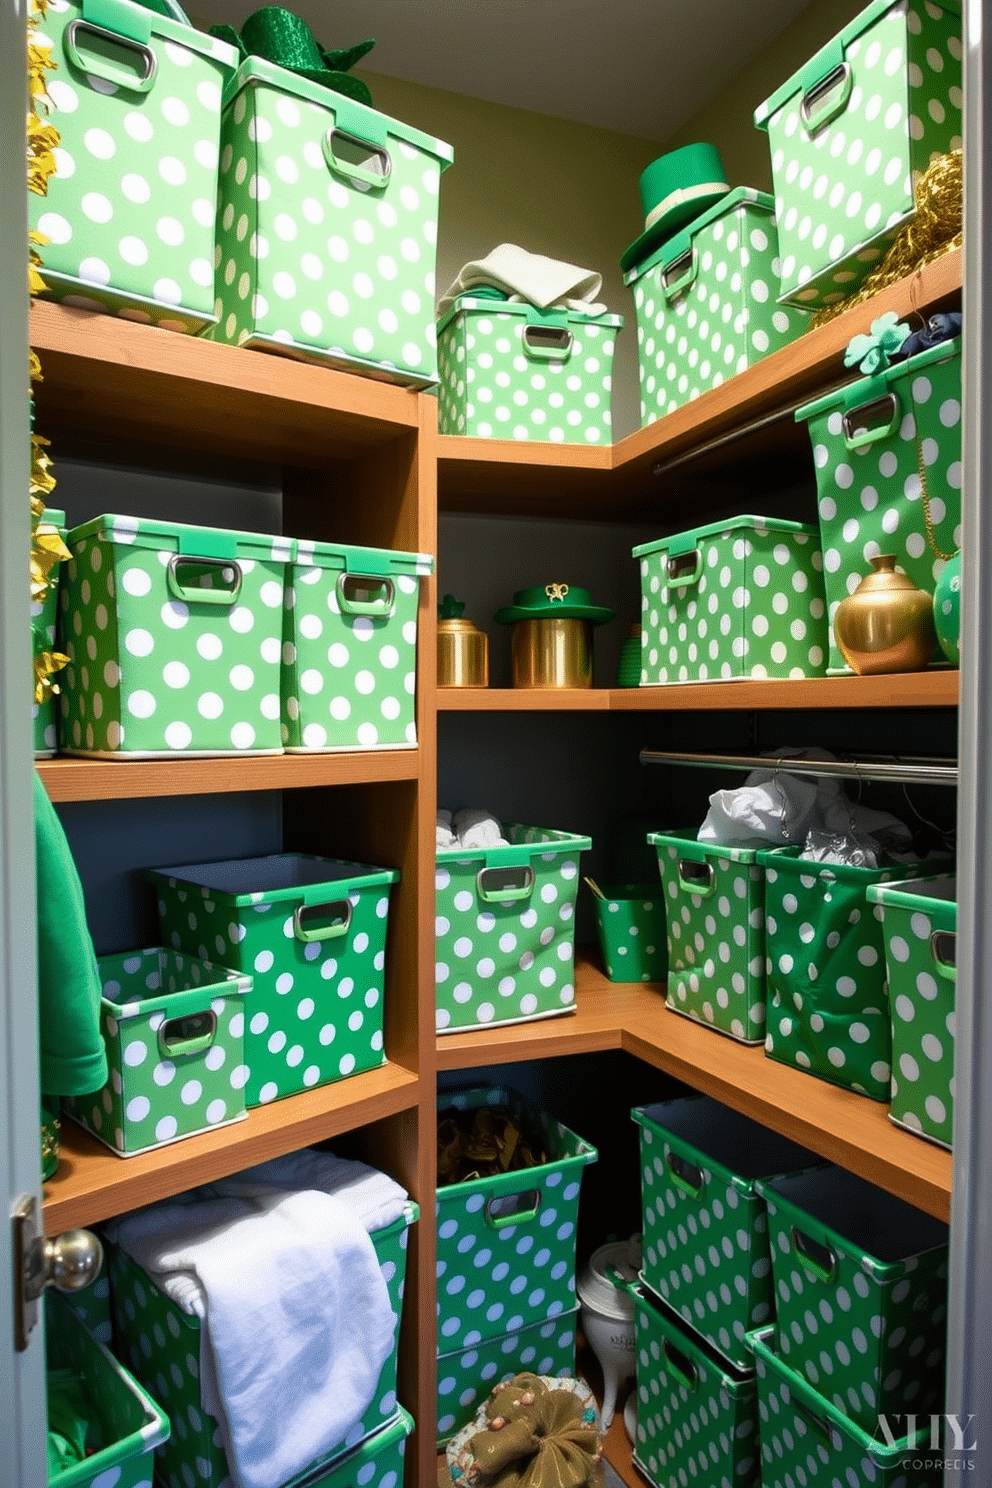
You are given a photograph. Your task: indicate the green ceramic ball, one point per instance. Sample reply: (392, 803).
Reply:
(947, 610)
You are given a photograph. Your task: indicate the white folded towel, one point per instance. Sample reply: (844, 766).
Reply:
(476, 827)
(445, 836)
(544, 282)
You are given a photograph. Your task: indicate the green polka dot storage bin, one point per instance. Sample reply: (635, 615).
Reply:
(311, 933)
(326, 228)
(161, 1344)
(465, 1377)
(870, 442)
(91, 1304)
(860, 1293)
(173, 635)
(828, 1002)
(129, 214)
(806, 1440)
(517, 372)
(715, 906)
(349, 655)
(506, 1243)
(705, 303)
(742, 598)
(126, 1424)
(173, 1027)
(633, 932)
(850, 135)
(705, 1230)
(697, 1416)
(378, 1462)
(44, 619)
(505, 929)
(919, 923)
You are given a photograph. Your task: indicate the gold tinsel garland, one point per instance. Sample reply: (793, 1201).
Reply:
(47, 547)
(933, 230)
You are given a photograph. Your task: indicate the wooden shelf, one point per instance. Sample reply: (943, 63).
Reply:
(522, 699)
(932, 689)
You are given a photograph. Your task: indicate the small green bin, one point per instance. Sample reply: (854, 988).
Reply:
(505, 929)
(127, 1421)
(805, 1439)
(715, 905)
(633, 932)
(173, 1027)
(129, 213)
(850, 135)
(466, 1376)
(697, 1416)
(311, 933)
(326, 227)
(349, 655)
(860, 1294)
(517, 372)
(705, 1230)
(506, 1243)
(870, 440)
(44, 619)
(919, 923)
(705, 303)
(742, 598)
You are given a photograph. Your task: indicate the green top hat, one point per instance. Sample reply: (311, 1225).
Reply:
(553, 601)
(285, 39)
(676, 188)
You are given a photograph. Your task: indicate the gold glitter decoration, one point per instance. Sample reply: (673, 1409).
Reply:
(933, 230)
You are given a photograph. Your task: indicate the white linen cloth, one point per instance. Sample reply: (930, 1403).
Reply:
(444, 836)
(475, 826)
(524, 276)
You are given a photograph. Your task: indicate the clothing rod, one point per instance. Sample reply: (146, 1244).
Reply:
(900, 769)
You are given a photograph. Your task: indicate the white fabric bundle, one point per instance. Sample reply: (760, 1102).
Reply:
(445, 837)
(524, 276)
(475, 826)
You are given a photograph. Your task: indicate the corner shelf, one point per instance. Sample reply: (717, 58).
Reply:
(937, 688)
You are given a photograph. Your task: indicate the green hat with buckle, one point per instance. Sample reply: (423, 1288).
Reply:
(553, 601)
(675, 190)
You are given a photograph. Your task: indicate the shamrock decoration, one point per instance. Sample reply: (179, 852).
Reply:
(874, 350)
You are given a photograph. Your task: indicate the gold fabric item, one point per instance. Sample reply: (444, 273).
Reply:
(481, 1143)
(536, 1437)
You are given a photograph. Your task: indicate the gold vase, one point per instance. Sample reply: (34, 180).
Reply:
(552, 652)
(462, 654)
(886, 625)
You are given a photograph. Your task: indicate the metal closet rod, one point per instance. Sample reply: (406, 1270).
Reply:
(904, 769)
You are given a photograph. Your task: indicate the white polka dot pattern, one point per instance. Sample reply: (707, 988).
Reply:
(715, 904)
(44, 617)
(843, 190)
(160, 1345)
(696, 331)
(173, 1029)
(312, 258)
(743, 598)
(633, 932)
(869, 494)
(500, 380)
(465, 1378)
(129, 213)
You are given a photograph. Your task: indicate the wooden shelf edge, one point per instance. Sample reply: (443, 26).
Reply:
(71, 779)
(938, 688)
(523, 700)
(457, 450)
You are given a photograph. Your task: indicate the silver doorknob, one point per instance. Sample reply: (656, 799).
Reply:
(72, 1260)
(68, 1262)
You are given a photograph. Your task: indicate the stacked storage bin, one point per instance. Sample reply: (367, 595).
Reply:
(506, 1264)
(44, 619)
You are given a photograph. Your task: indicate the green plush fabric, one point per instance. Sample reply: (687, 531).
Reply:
(69, 1421)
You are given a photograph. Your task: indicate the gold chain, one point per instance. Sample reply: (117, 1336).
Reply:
(927, 517)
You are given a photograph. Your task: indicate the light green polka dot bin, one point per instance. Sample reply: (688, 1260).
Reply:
(326, 228)
(173, 635)
(705, 1230)
(311, 932)
(742, 598)
(861, 1294)
(697, 1416)
(705, 303)
(161, 1344)
(505, 929)
(129, 214)
(44, 620)
(349, 655)
(715, 898)
(173, 1026)
(870, 441)
(806, 1440)
(465, 1377)
(517, 372)
(919, 922)
(850, 135)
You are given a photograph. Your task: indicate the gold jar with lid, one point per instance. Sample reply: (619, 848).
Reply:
(462, 648)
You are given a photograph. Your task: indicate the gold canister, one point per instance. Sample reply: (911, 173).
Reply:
(886, 625)
(552, 652)
(462, 653)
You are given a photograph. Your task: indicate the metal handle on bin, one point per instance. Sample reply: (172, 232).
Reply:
(944, 950)
(685, 1175)
(337, 143)
(818, 1423)
(332, 929)
(547, 343)
(229, 570)
(679, 274)
(499, 885)
(189, 1034)
(872, 421)
(683, 569)
(819, 1260)
(513, 1208)
(697, 878)
(681, 1366)
(826, 98)
(357, 594)
(101, 65)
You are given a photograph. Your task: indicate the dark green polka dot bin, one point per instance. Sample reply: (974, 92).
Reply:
(173, 635)
(806, 1440)
(129, 214)
(378, 1462)
(44, 619)
(349, 654)
(705, 1230)
(705, 303)
(311, 933)
(326, 228)
(505, 929)
(851, 134)
(633, 932)
(697, 1416)
(517, 372)
(743, 598)
(715, 903)
(466, 1376)
(173, 1027)
(870, 443)
(161, 1344)
(919, 922)
(860, 1294)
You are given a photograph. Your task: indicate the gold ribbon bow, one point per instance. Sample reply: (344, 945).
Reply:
(536, 1438)
(556, 591)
